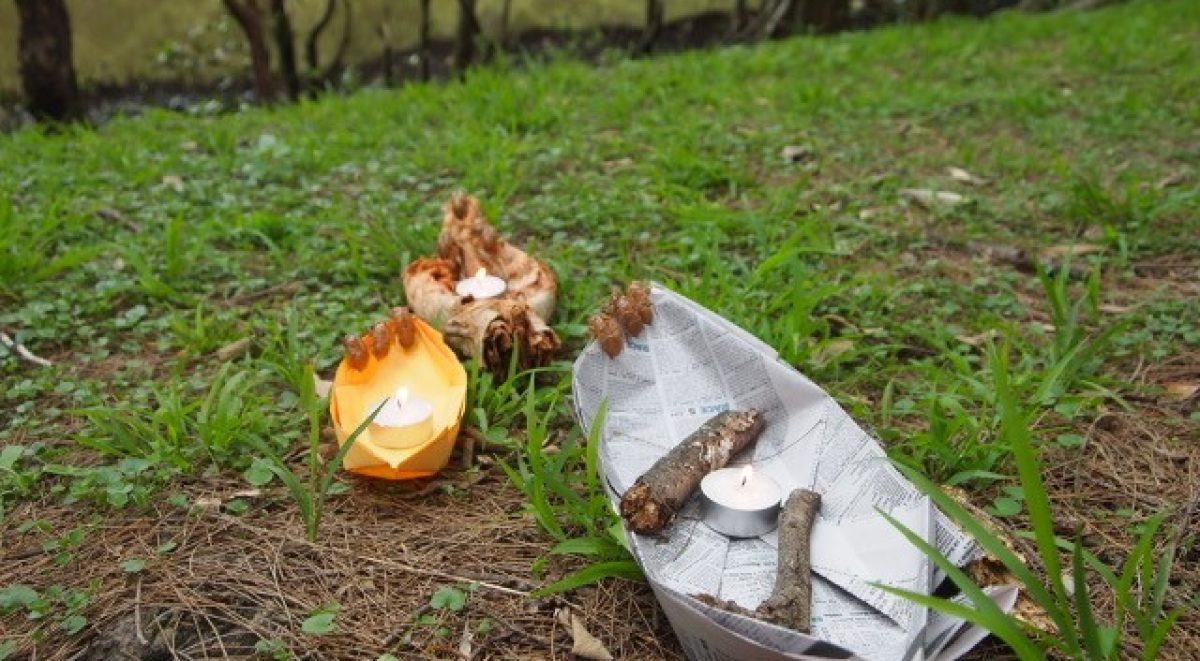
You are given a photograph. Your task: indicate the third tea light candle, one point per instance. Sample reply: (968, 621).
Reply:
(481, 285)
(740, 502)
(404, 421)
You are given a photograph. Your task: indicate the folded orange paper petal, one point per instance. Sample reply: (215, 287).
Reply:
(426, 370)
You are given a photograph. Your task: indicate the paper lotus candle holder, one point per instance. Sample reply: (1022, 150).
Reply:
(403, 364)
(491, 298)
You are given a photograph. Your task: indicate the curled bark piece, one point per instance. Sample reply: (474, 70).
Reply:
(402, 326)
(790, 602)
(608, 333)
(494, 328)
(381, 340)
(650, 504)
(429, 287)
(356, 352)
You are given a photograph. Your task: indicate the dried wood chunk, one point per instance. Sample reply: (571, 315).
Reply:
(638, 294)
(626, 314)
(356, 352)
(651, 503)
(608, 333)
(401, 323)
(381, 340)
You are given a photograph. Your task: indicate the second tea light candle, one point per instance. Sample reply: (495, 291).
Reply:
(740, 502)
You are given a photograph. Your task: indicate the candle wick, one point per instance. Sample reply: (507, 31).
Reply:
(743, 481)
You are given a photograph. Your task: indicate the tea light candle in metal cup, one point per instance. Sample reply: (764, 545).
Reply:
(403, 422)
(481, 286)
(738, 502)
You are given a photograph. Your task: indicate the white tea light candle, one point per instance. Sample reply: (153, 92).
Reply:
(739, 502)
(481, 285)
(404, 421)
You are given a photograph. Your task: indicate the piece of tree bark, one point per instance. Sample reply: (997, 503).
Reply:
(492, 329)
(249, 18)
(653, 500)
(790, 603)
(285, 45)
(44, 54)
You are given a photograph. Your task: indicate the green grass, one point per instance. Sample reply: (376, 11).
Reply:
(667, 169)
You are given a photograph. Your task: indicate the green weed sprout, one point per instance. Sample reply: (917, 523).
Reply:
(310, 497)
(1077, 633)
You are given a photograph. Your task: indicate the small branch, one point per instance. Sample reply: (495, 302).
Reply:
(790, 603)
(20, 350)
(651, 503)
(137, 613)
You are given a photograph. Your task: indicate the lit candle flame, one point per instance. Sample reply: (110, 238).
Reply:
(481, 273)
(401, 396)
(747, 471)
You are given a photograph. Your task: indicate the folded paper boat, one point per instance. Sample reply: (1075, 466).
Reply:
(690, 364)
(430, 371)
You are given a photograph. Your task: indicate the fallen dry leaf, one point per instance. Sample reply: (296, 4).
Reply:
(585, 645)
(980, 339)
(235, 349)
(796, 153)
(831, 349)
(321, 386)
(1072, 250)
(1112, 308)
(1170, 180)
(173, 181)
(1181, 390)
(931, 198)
(959, 174)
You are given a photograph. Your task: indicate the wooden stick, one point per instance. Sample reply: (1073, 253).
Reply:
(790, 602)
(650, 504)
(19, 349)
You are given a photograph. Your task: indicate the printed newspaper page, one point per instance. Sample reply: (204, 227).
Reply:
(689, 365)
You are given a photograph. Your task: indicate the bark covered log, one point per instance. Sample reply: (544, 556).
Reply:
(495, 328)
(651, 503)
(790, 603)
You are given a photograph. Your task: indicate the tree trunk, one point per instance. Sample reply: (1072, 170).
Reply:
(285, 43)
(311, 51)
(505, 17)
(654, 23)
(740, 16)
(468, 31)
(250, 18)
(44, 52)
(423, 39)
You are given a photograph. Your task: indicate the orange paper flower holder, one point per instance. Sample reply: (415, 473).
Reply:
(430, 371)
